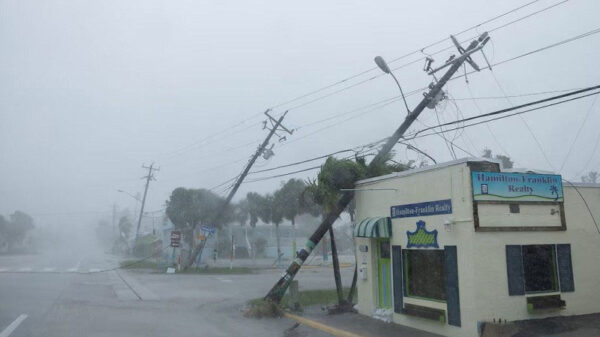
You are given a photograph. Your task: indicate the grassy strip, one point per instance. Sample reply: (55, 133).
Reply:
(308, 298)
(218, 270)
(136, 264)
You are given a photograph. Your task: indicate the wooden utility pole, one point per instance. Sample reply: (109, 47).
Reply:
(434, 94)
(261, 150)
(149, 177)
(275, 126)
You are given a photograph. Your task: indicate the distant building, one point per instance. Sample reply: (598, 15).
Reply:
(450, 247)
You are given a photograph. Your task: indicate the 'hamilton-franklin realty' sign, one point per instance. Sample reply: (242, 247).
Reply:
(517, 186)
(422, 209)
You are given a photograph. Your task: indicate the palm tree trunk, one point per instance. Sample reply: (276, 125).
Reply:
(336, 269)
(353, 286)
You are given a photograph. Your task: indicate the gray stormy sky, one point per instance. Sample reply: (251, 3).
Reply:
(91, 90)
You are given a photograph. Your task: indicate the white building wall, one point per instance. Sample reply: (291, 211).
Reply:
(483, 284)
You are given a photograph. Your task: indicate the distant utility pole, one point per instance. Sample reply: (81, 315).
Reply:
(273, 125)
(430, 100)
(149, 177)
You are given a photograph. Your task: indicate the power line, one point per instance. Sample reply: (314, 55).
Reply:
(589, 112)
(416, 52)
(417, 134)
(538, 93)
(388, 101)
(347, 79)
(303, 161)
(535, 138)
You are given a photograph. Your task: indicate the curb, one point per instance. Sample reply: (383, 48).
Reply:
(320, 326)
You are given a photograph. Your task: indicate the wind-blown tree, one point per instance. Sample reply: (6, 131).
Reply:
(15, 230)
(3, 233)
(505, 160)
(121, 244)
(254, 204)
(188, 208)
(125, 227)
(338, 174)
(591, 177)
(289, 199)
(241, 215)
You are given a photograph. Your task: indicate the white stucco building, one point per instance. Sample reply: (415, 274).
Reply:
(449, 247)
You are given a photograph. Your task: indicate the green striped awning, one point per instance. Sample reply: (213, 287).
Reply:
(376, 227)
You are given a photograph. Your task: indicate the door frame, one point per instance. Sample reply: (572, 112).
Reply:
(384, 289)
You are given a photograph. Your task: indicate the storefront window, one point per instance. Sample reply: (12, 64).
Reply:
(539, 268)
(425, 274)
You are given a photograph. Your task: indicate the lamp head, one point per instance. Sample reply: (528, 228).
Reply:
(382, 64)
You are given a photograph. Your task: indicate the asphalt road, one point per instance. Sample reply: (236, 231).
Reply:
(60, 293)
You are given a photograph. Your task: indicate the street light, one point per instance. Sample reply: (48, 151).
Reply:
(131, 195)
(386, 69)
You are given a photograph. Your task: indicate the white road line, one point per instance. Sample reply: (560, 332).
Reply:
(72, 270)
(9, 329)
(23, 270)
(2, 270)
(94, 270)
(226, 280)
(47, 270)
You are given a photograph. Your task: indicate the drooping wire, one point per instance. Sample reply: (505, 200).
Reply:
(587, 115)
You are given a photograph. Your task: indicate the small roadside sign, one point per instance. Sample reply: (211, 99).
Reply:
(175, 238)
(208, 229)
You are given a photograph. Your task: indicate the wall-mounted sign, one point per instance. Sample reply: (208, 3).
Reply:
(421, 237)
(516, 186)
(422, 209)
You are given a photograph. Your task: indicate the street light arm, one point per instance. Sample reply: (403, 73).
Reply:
(131, 195)
(401, 92)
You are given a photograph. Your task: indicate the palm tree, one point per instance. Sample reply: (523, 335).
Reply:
(289, 199)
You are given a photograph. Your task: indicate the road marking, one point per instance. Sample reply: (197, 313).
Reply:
(25, 269)
(2, 270)
(72, 270)
(9, 329)
(94, 270)
(139, 290)
(320, 326)
(226, 280)
(47, 270)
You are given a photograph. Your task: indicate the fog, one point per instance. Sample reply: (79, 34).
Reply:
(90, 91)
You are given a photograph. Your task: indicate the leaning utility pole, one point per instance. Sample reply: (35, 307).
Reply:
(435, 94)
(149, 177)
(261, 150)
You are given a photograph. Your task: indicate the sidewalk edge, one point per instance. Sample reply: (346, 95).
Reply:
(320, 326)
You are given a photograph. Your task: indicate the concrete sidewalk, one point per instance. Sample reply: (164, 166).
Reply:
(355, 325)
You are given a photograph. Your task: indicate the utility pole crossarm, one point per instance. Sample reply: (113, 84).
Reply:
(278, 290)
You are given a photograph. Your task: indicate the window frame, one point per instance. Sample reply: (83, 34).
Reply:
(555, 275)
(406, 280)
